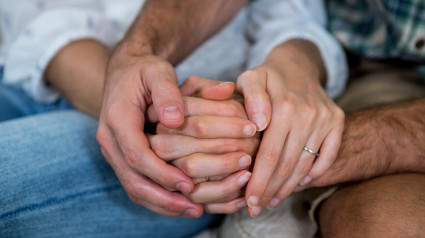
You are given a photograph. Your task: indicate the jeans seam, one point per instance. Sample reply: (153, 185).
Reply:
(55, 201)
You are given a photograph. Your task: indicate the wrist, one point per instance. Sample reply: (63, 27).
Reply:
(300, 55)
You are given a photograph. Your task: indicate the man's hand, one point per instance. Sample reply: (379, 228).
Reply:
(285, 96)
(133, 83)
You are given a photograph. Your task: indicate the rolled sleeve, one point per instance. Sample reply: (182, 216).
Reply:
(41, 38)
(273, 22)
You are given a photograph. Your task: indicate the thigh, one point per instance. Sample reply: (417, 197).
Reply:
(55, 182)
(389, 206)
(15, 103)
(380, 84)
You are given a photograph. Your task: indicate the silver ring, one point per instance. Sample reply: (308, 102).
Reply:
(207, 179)
(311, 151)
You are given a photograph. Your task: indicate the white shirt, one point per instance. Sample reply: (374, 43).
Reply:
(33, 31)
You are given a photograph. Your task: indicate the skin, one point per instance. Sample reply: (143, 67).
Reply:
(377, 133)
(229, 169)
(78, 72)
(192, 126)
(140, 73)
(286, 92)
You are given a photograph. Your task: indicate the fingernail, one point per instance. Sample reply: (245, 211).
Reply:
(305, 181)
(242, 180)
(252, 201)
(172, 113)
(255, 211)
(260, 120)
(274, 202)
(190, 213)
(183, 187)
(241, 204)
(245, 161)
(249, 130)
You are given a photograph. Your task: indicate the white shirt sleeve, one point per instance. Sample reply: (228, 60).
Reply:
(273, 22)
(34, 31)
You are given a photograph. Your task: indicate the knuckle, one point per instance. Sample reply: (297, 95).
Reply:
(200, 127)
(234, 109)
(102, 136)
(228, 145)
(170, 205)
(166, 86)
(192, 79)
(284, 169)
(160, 146)
(227, 190)
(194, 197)
(271, 157)
(132, 191)
(190, 168)
(285, 108)
(110, 115)
(339, 114)
(246, 77)
(132, 159)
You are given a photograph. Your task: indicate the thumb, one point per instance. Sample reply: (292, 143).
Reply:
(165, 94)
(207, 88)
(253, 85)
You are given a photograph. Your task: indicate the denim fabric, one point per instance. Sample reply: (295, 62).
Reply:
(15, 103)
(54, 182)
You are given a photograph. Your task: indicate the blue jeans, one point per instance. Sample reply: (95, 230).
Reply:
(54, 181)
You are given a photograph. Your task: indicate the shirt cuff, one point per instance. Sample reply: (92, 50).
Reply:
(42, 39)
(331, 51)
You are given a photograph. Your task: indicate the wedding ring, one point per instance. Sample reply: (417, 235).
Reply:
(207, 179)
(311, 151)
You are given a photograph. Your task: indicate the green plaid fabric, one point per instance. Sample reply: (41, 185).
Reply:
(380, 29)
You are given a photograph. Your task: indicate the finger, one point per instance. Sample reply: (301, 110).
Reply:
(226, 207)
(209, 127)
(165, 94)
(144, 191)
(328, 154)
(285, 167)
(266, 160)
(209, 179)
(200, 165)
(301, 168)
(169, 147)
(136, 152)
(194, 106)
(219, 190)
(253, 84)
(207, 88)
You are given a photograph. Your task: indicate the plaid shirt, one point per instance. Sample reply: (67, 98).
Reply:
(380, 29)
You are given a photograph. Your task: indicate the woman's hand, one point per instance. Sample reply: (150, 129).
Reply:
(215, 142)
(285, 96)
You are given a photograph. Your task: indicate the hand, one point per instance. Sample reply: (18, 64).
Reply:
(187, 148)
(285, 95)
(132, 84)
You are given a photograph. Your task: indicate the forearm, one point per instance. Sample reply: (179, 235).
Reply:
(173, 29)
(391, 138)
(78, 72)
